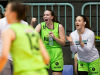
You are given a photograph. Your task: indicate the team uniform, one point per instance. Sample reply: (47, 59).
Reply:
(25, 51)
(8, 69)
(88, 56)
(77, 68)
(55, 50)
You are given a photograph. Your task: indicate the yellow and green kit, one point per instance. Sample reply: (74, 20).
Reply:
(55, 50)
(25, 51)
(92, 67)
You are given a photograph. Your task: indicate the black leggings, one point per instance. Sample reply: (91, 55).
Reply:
(82, 73)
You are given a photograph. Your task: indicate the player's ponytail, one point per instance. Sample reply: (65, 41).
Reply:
(87, 24)
(86, 20)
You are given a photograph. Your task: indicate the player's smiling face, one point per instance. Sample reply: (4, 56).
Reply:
(47, 17)
(79, 23)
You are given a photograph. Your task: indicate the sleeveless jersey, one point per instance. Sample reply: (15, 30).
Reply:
(25, 49)
(45, 35)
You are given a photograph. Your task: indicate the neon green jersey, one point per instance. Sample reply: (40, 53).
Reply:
(45, 35)
(25, 49)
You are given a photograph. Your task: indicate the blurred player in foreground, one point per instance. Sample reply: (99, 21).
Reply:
(24, 43)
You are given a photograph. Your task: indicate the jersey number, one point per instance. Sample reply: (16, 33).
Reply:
(29, 37)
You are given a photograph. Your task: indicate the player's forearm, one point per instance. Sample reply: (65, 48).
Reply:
(60, 41)
(46, 59)
(45, 55)
(87, 48)
(44, 52)
(32, 23)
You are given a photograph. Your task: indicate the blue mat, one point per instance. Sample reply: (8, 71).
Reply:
(67, 70)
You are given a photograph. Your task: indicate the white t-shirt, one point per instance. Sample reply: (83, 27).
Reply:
(88, 53)
(3, 26)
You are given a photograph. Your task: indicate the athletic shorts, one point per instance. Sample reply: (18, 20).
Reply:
(77, 70)
(38, 72)
(93, 67)
(56, 59)
(89, 74)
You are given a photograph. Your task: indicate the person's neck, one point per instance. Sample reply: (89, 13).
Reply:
(50, 24)
(81, 31)
(15, 21)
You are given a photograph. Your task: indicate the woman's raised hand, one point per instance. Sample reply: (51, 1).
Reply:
(69, 38)
(33, 21)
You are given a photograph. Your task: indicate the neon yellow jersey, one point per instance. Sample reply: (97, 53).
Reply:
(25, 49)
(45, 35)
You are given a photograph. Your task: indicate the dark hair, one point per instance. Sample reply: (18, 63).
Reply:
(55, 19)
(1, 15)
(19, 8)
(87, 25)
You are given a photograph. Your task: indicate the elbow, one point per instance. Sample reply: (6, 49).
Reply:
(73, 48)
(4, 57)
(63, 44)
(87, 49)
(73, 51)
